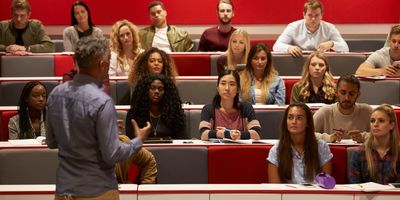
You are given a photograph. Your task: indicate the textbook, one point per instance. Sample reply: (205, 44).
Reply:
(41, 140)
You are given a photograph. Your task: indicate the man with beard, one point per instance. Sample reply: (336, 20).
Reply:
(385, 61)
(217, 38)
(310, 33)
(161, 35)
(345, 118)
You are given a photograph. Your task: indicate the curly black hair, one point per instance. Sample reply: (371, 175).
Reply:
(170, 108)
(23, 111)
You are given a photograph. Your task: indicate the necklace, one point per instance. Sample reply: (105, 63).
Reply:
(154, 123)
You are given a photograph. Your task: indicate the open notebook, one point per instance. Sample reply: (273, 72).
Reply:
(41, 140)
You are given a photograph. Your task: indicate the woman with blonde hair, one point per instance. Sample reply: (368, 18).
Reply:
(125, 47)
(238, 49)
(260, 82)
(316, 84)
(377, 160)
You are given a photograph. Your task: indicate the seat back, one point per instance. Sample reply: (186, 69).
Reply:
(339, 170)
(63, 64)
(344, 64)
(378, 92)
(5, 118)
(27, 66)
(192, 64)
(197, 91)
(365, 45)
(288, 65)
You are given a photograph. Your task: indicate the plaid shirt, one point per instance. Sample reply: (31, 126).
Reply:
(358, 172)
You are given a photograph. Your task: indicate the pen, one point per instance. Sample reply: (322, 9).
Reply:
(291, 186)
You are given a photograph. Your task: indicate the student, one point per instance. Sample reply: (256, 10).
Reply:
(125, 47)
(152, 61)
(316, 84)
(378, 160)
(22, 35)
(260, 82)
(216, 38)
(227, 117)
(156, 100)
(238, 49)
(299, 156)
(30, 121)
(81, 26)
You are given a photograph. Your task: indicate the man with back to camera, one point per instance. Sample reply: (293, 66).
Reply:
(22, 35)
(345, 118)
(217, 38)
(82, 124)
(162, 35)
(385, 61)
(310, 33)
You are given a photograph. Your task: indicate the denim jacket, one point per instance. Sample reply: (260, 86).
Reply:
(276, 93)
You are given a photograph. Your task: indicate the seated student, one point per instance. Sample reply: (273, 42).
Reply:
(152, 61)
(156, 99)
(378, 160)
(316, 84)
(125, 47)
(238, 49)
(30, 121)
(22, 35)
(299, 156)
(310, 33)
(81, 26)
(260, 82)
(227, 117)
(385, 61)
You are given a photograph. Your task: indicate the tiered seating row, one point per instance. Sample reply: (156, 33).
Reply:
(188, 64)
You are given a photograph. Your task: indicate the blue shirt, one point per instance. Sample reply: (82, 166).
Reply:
(276, 92)
(324, 152)
(82, 124)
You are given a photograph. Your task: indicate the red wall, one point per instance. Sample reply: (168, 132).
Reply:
(57, 12)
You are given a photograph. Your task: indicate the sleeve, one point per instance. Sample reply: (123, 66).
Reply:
(325, 154)
(206, 121)
(253, 123)
(294, 95)
(113, 64)
(112, 150)
(188, 43)
(98, 32)
(2, 46)
(50, 136)
(221, 64)
(338, 42)
(355, 167)
(67, 40)
(130, 132)
(272, 155)
(318, 118)
(203, 42)
(13, 129)
(280, 92)
(323, 136)
(44, 45)
(374, 59)
(284, 40)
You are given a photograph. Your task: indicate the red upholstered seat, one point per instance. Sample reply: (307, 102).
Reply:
(269, 42)
(63, 64)
(238, 164)
(134, 174)
(5, 118)
(289, 83)
(192, 64)
(339, 163)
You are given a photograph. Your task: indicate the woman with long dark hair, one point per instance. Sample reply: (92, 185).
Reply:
(81, 26)
(227, 117)
(156, 100)
(30, 121)
(298, 156)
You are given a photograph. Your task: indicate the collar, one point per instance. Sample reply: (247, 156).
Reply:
(83, 78)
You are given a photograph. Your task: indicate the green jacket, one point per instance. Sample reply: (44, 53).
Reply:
(34, 37)
(179, 39)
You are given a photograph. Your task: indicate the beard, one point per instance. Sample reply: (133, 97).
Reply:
(346, 104)
(224, 21)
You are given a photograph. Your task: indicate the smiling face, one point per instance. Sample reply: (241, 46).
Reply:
(156, 91)
(380, 124)
(155, 63)
(37, 98)
(317, 67)
(296, 120)
(259, 61)
(81, 14)
(227, 87)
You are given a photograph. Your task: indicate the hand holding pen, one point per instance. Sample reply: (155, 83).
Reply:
(337, 135)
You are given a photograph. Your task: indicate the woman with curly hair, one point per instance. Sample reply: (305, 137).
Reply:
(125, 47)
(260, 82)
(152, 61)
(226, 116)
(316, 84)
(156, 100)
(81, 26)
(30, 121)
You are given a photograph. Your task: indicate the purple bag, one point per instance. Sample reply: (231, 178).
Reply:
(325, 180)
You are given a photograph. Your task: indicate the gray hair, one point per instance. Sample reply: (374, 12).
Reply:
(89, 50)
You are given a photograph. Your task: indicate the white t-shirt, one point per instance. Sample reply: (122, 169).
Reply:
(160, 40)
